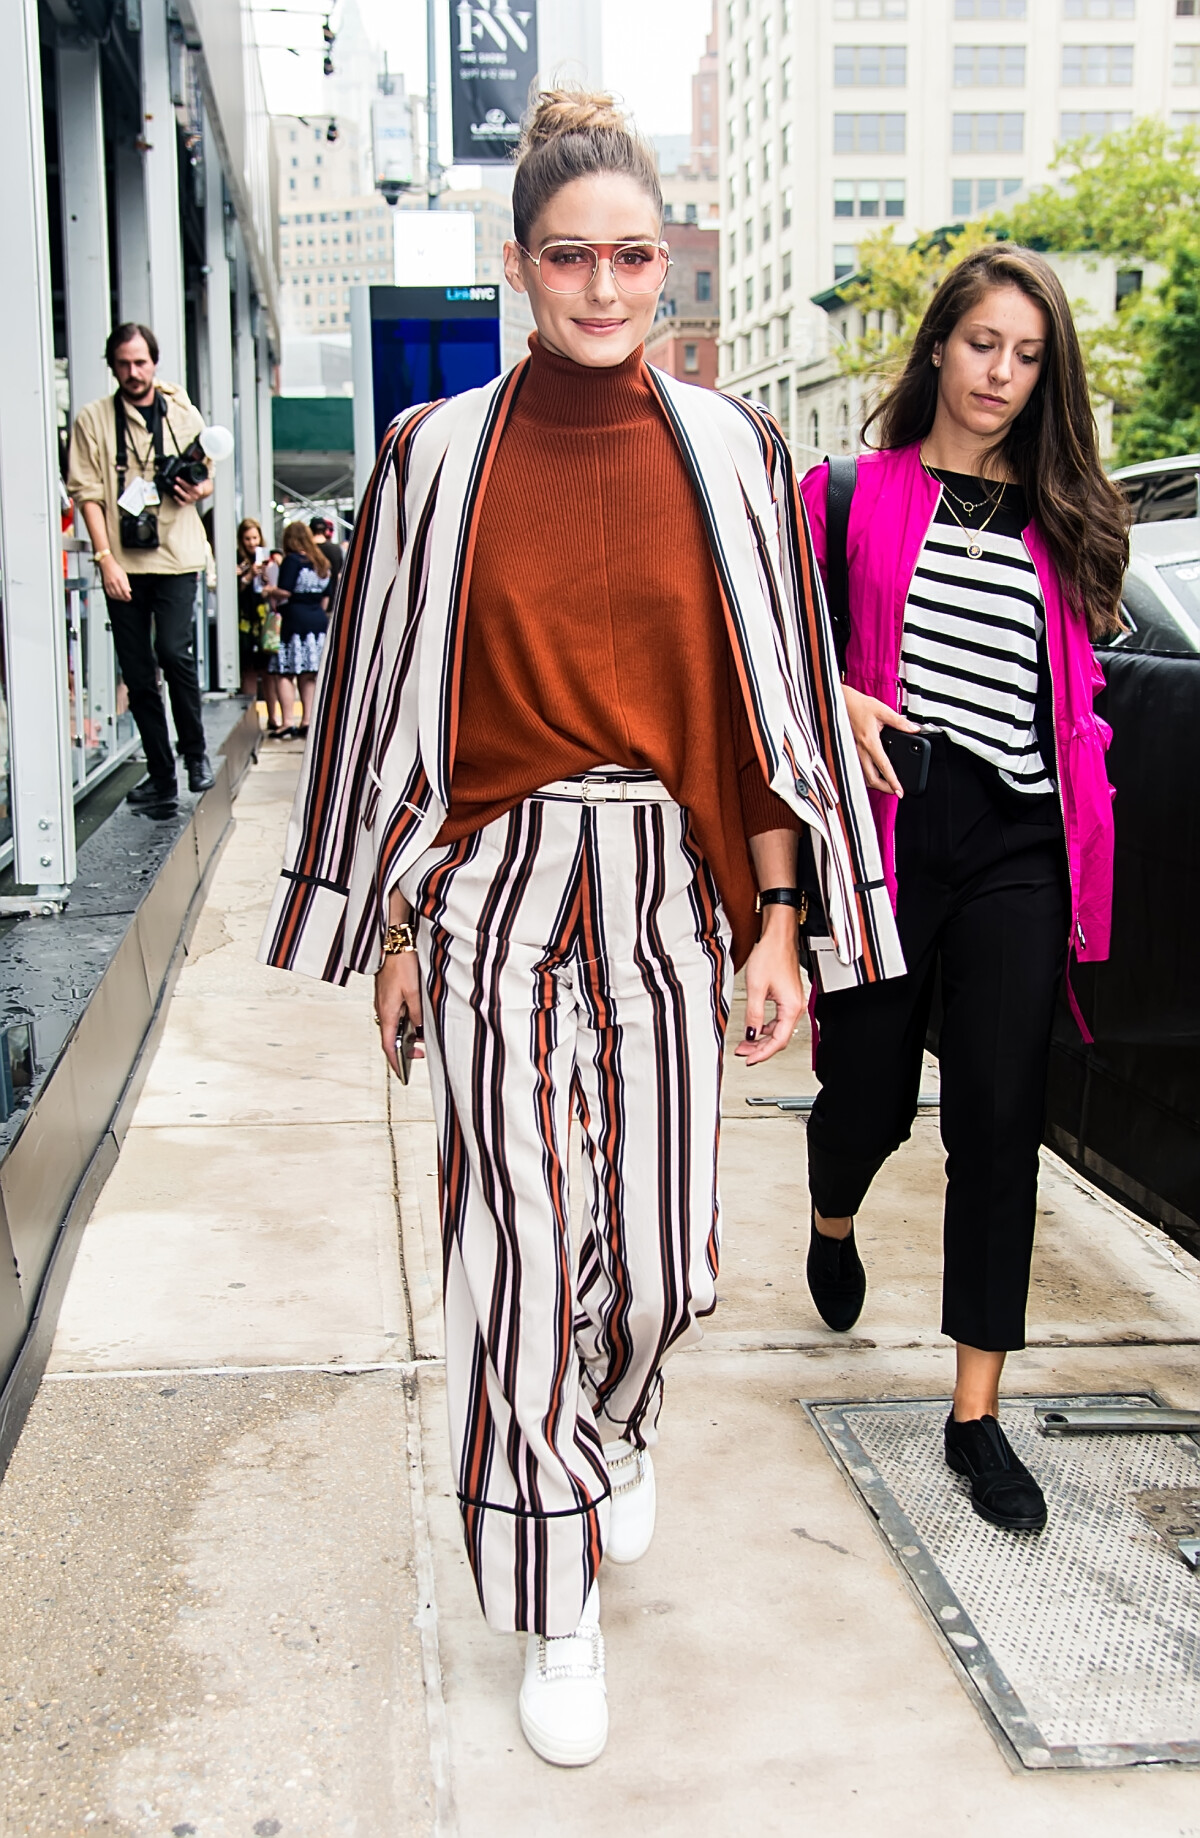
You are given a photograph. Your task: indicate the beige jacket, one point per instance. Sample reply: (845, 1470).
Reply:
(92, 479)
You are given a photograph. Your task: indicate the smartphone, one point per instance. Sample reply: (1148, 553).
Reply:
(406, 1039)
(261, 556)
(909, 757)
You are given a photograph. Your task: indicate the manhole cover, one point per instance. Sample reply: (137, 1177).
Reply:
(1082, 1642)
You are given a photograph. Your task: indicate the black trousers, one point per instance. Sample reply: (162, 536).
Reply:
(983, 897)
(155, 630)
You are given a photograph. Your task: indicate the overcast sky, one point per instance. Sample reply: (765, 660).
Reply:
(651, 48)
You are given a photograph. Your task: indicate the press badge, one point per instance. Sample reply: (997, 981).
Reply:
(138, 495)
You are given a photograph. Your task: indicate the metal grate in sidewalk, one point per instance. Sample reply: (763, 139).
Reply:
(1083, 1642)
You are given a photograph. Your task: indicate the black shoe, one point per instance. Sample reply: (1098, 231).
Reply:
(837, 1281)
(161, 809)
(152, 791)
(1002, 1489)
(201, 776)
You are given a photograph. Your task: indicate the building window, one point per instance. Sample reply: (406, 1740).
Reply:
(785, 208)
(989, 133)
(749, 118)
(1186, 118)
(870, 9)
(844, 260)
(766, 163)
(733, 302)
(785, 272)
(785, 332)
(1101, 9)
(691, 358)
(766, 284)
(766, 224)
(691, 214)
(1097, 66)
(785, 80)
(731, 252)
(291, 184)
(766, 98)
(784, 417)
(989, 9)
(785, 144)
(1186, 9)
(869, 66)
(749, 293)
(989, 66)
(814, 432)
(316, 181)
(1185, 65)
(704, 284)
(868, 134)
(732, 193)
(292, 136)
(868, 197)
(971, 195)
(748, 235)
(1074, 122)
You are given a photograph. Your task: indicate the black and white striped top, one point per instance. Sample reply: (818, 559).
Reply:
(969, 652)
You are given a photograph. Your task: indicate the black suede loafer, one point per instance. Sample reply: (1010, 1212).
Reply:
(837, 1281)
(1002, 1489)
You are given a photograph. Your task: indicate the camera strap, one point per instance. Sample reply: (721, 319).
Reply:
(124, 442)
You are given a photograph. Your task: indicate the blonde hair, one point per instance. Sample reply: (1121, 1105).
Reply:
(298, 540)
(570, 134)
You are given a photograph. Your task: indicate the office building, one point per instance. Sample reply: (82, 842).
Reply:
(840, 117)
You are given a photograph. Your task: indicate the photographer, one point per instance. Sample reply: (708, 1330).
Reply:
(137, 476)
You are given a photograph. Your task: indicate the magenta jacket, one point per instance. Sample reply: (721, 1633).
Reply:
(893, 508)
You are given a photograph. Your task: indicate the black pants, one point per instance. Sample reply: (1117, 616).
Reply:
(983, 895)
(165, 605)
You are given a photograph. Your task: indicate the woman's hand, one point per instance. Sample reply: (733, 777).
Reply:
(772, 975)
(868, 718)
(397, 994)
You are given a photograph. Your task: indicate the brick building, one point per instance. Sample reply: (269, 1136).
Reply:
(683, 338)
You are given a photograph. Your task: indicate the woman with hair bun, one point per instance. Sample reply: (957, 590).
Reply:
(577, 705)
(986, 550)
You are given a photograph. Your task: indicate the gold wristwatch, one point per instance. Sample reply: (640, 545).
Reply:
(399, 938)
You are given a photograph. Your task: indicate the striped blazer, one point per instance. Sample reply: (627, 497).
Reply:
(375, 784)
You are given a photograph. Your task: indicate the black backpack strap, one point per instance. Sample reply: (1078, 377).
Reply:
(843, 477)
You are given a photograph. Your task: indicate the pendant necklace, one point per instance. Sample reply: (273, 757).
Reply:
(974, 546)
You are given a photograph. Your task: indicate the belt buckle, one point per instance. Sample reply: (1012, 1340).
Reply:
(602, 788)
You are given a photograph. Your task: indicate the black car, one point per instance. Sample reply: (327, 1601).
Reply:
(1125, 1110)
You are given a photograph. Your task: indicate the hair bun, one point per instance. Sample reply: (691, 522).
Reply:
(556, 112)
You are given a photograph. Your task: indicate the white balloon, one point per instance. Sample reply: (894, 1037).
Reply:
(217, 442)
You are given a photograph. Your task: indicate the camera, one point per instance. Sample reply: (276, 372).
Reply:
(140, 532)
(187, 468)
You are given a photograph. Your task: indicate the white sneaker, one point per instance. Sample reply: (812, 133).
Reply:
(563, 1701)
(631, 1518)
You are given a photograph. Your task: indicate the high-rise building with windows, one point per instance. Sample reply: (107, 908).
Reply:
(841, 116)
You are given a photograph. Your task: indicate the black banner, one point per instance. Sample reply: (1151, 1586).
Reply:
(493, 62)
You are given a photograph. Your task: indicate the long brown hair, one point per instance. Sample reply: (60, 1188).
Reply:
(569, 134)
(244, 528)
(298, 539)
(1051, 448)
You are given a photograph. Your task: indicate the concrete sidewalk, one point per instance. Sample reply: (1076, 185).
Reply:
(233, 1596)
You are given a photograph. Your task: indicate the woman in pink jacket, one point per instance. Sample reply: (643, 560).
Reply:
(986, 550)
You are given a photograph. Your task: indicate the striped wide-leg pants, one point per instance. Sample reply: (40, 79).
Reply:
(576, 961)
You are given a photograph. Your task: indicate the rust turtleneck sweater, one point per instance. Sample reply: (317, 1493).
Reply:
(595, 631)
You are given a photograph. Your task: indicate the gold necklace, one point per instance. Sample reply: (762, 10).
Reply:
(969, 508)
(974, 546)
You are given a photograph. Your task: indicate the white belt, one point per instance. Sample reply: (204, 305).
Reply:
(606, 791)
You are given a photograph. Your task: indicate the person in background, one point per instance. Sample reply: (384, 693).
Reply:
(150, 559)
(302, 595)
(323, 536)
(986, 550)
(258, 577)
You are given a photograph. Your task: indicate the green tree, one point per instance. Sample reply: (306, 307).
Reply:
(1164, 418)
(1126, 194)
(893, 286)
